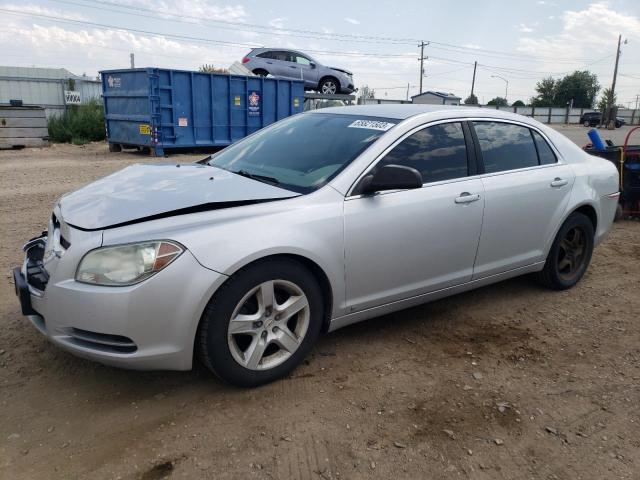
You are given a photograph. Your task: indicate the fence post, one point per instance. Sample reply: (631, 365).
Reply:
(566, 116)
(533, 112)
(549, 117)
(633, 115)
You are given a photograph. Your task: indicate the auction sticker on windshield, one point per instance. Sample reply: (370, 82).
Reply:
(372, 125)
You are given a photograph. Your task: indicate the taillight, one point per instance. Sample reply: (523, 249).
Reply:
(245, 60)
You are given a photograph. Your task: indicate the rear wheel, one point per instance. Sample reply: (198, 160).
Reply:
(115, 147)
(261, 323)
(587, 123)
(570, 253)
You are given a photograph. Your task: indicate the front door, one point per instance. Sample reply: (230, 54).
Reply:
(400, 244)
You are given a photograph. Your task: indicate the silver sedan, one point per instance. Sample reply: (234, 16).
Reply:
(321, 220)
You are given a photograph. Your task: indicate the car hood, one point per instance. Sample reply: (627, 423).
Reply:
(146, 192)
(341, 70)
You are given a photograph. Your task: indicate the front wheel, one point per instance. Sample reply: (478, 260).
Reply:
(570, 253)
(261, 323)
(587, 124)
(329, 86)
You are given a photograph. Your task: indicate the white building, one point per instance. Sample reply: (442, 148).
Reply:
(45, 87)
(436, 98)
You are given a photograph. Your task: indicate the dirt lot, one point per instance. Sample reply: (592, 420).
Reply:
(507, 382)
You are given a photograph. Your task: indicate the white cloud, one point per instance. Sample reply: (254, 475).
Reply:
(585, 33)
(352, 21)
(472, 45)
(524, 28)
(278, 22)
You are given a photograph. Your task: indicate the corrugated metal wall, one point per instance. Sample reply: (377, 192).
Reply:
(44, 87)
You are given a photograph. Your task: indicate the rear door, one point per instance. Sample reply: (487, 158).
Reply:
(403, 243)
(526, 191)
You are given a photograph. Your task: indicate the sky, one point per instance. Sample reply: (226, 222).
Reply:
(520, 41)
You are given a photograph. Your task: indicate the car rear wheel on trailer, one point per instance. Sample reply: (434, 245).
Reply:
(261, 323)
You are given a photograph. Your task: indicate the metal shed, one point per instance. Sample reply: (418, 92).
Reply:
(44, 87)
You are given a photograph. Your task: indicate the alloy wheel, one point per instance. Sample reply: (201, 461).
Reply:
(572, 253)
(268, 325)
(329, 87)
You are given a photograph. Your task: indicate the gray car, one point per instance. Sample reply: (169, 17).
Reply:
(294, 65)
(318, 221)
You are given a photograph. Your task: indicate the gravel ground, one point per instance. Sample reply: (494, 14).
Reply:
(506, 382)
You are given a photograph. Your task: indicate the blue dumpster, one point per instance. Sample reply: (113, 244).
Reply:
(167, 109)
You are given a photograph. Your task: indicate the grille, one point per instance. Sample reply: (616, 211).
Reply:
(103, 342)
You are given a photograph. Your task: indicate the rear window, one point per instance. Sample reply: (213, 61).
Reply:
(505, 146)
(303, 152)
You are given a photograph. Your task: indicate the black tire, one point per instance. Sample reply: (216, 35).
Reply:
(260, 72)
(329, 83)
(115, 147)
(586, 123)
(212, 344)
(557, 274)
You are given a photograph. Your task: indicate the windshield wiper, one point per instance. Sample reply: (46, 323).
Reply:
(259, 178)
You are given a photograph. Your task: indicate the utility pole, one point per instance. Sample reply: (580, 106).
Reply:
(407, 92)
(637, 98)
(612, 93)
(422, 59)
(473, 82)
(133, 62)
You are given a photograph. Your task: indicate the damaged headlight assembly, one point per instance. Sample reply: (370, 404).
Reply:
(128, 264)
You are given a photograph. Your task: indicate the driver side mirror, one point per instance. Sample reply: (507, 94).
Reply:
(390, 177)
(312, 65)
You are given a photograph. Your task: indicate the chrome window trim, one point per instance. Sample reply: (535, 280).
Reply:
(351, 196)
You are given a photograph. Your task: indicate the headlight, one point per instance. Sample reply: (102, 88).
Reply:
(126, 264)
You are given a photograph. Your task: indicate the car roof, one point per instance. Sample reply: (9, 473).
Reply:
(404, 111)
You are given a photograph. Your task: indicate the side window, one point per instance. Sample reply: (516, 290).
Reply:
(302, 60)
(265, 55)
(282, 56)
(438, 153)
(545, 154)
(505, 146)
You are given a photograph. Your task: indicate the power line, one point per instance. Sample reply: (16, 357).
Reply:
(270, 30)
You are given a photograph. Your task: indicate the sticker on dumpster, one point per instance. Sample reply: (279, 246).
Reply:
(182, 122)
(114, 82)
(296, 102)
(371, 125)
(144, 129)
(236, 101)
(254, 104)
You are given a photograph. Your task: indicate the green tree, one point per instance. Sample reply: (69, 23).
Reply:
(603, 103)
(206, 68)
(499, 101)
(518, 103)
(546, 89)
(581, 87)
(471, 100)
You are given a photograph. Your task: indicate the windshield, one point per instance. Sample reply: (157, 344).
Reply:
(303, 152)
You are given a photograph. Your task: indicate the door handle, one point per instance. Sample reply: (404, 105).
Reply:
(466, 197)
(559, 182)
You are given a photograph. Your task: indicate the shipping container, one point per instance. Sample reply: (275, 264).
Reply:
(162, 109)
